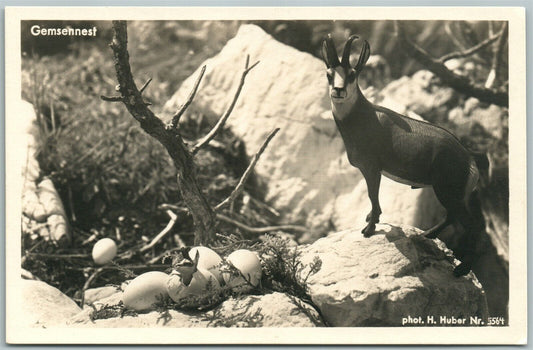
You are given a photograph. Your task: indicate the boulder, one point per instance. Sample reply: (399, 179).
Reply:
(100, 294)
(379, 281)
(492, 119)
(42, 209)
(305, 168)
(44, 306)
(28, 132)
(420, 94)
(270, 310)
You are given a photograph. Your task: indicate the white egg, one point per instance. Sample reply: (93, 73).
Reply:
(177, 290)
(145, 290)
(104, 251)
(208, 260)
(249, 266)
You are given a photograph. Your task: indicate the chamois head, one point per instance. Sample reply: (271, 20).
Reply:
(186, 268)
(342, 77)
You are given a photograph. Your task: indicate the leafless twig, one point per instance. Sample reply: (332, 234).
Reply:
(112, 98)
(58, 256)
(170, 225)
(265, 206)
(259, 230)
(263, 229)
(460, 83)
(176, 118)
(88, 284)
(240, 186)
(493, 76)
(145, 85)
(220, 124)
(472, 50)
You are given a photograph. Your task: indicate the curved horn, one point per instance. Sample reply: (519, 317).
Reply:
(347, 48)
(329, 52)
(363, 57)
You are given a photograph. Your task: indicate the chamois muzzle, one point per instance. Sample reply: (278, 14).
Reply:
(338, 93)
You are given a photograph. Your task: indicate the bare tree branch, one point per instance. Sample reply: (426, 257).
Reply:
(220, 124)
(87, 284)
(176, 118)
(494, 74)
(145, 85)
(472, 50)
(264, 229)
(163, 233)
(58, 256)
(460, 83)
(240, 186)
(111, 98)
(453, 36)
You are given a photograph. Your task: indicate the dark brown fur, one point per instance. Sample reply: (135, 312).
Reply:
(380, 141)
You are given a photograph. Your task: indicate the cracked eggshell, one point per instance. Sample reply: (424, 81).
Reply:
(208, 260)
(104, 251)
(249, 265)
(145, 290)
(177, 290)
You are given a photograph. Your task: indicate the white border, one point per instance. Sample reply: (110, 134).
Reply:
(515, 333)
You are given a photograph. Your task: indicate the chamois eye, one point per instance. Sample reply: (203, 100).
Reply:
(329, 76)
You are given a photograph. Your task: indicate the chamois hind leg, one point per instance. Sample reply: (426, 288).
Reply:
(373, 180)
(472, 231)
(473, 223)
(454, 201)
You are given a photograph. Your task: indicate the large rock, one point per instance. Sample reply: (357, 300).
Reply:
(380, 280)
(420, 94)
(305, 168)
(270, 310)
(40, 201)
(44, 306)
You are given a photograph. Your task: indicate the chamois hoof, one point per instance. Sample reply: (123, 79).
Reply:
(461, 270)
(369, 230)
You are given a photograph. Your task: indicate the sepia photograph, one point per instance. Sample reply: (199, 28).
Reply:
(326, 176)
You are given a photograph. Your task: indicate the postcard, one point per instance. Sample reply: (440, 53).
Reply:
(266, 175)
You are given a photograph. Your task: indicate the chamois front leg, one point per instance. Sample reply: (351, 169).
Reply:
(373, 179)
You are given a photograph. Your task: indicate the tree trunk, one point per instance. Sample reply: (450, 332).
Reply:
(202, 213)
(203, 216)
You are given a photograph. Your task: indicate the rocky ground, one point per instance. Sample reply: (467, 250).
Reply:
(363, 282)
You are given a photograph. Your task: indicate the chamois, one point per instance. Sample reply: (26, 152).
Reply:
(412, 152)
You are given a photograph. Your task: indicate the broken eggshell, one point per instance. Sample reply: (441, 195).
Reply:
(178, 288)
(104, 251)
(249, 267)
(209, 260)
(145, 290)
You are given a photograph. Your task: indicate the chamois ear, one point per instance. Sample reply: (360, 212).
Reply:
(329, 53)
(195, 261)
(363, 57)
